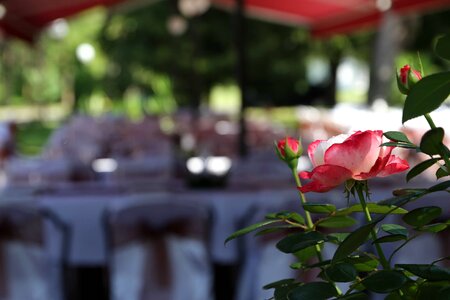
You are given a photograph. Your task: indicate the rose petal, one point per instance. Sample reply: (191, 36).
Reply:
(317, 149)
(312, 152)
(305, 175)
(394, 165)
(385, 154)
(358, 153)
(324, 178)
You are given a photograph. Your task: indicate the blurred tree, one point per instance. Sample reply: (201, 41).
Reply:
(203, 56)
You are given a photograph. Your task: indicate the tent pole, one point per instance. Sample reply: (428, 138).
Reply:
(239, 38)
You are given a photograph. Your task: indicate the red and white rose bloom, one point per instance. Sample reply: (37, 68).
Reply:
(357, 156)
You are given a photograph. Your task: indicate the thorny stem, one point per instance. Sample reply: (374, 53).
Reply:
(373, 233)
(309, 222)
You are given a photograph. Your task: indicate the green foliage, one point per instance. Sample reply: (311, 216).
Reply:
(299, 241)
(443, 47)
(31, 137)
(397, 136)
(420, 167)
(373, 208)
(353, 241)
(431, 142)
(426, 95)
(341, 272)
(313, 290)
(384, 281)
(422, 216)
(429, 272)
(337, 222)
(319, 208)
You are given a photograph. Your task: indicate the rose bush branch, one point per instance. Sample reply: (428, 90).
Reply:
(359, 189)
(289, 150)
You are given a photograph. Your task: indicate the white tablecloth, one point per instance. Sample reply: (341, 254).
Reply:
(84, 215)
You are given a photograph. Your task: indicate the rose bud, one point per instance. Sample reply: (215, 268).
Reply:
(289, 150)
(406, 78)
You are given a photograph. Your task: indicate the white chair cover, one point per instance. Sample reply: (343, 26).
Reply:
(159, 250)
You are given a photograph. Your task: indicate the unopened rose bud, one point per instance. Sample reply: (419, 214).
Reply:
(406, 78)
(289, 150)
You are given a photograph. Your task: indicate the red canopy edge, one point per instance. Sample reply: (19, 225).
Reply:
(26, 18)
(25, 23)
(357, 22)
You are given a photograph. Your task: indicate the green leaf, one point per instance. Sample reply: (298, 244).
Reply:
(373, 208)
(363, 263)
(296, 265)
(353, 241)
(419, 168)
(279, 215)
(394, 229)
(276, 228)
(431, 141)
(278, 283)
(389, 238)
(337, 222)
(293, 216)
(250, 228)
(441, 172)
(320, 264)
(440, 186)
(422, 216)
(282, 288)
(434, 227)
(433, 291)
(443, 47)
(341, 272)
(429, 272)
(426, 95)
(397, 136)
(384, 281)
(354, 296)
(313, 290)
(403, 199)
(393, 296)
(319, 208)
(305, 254)
(298, 241)
(338, 237)
(444, 293)
(399, 145)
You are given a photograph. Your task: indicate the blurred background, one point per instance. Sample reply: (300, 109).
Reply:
(109, 107)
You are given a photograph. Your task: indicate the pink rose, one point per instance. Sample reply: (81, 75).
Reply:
(355, 156)
(406, 78)
(289, 150)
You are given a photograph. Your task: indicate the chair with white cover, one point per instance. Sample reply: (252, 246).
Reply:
(262, 262)
(31, 262)
(159, 250)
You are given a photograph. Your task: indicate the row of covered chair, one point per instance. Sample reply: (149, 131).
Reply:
(155, 250)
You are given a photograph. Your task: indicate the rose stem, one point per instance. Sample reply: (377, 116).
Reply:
(430, 121)
(309, 222)
(380, 252)
(303, 200)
